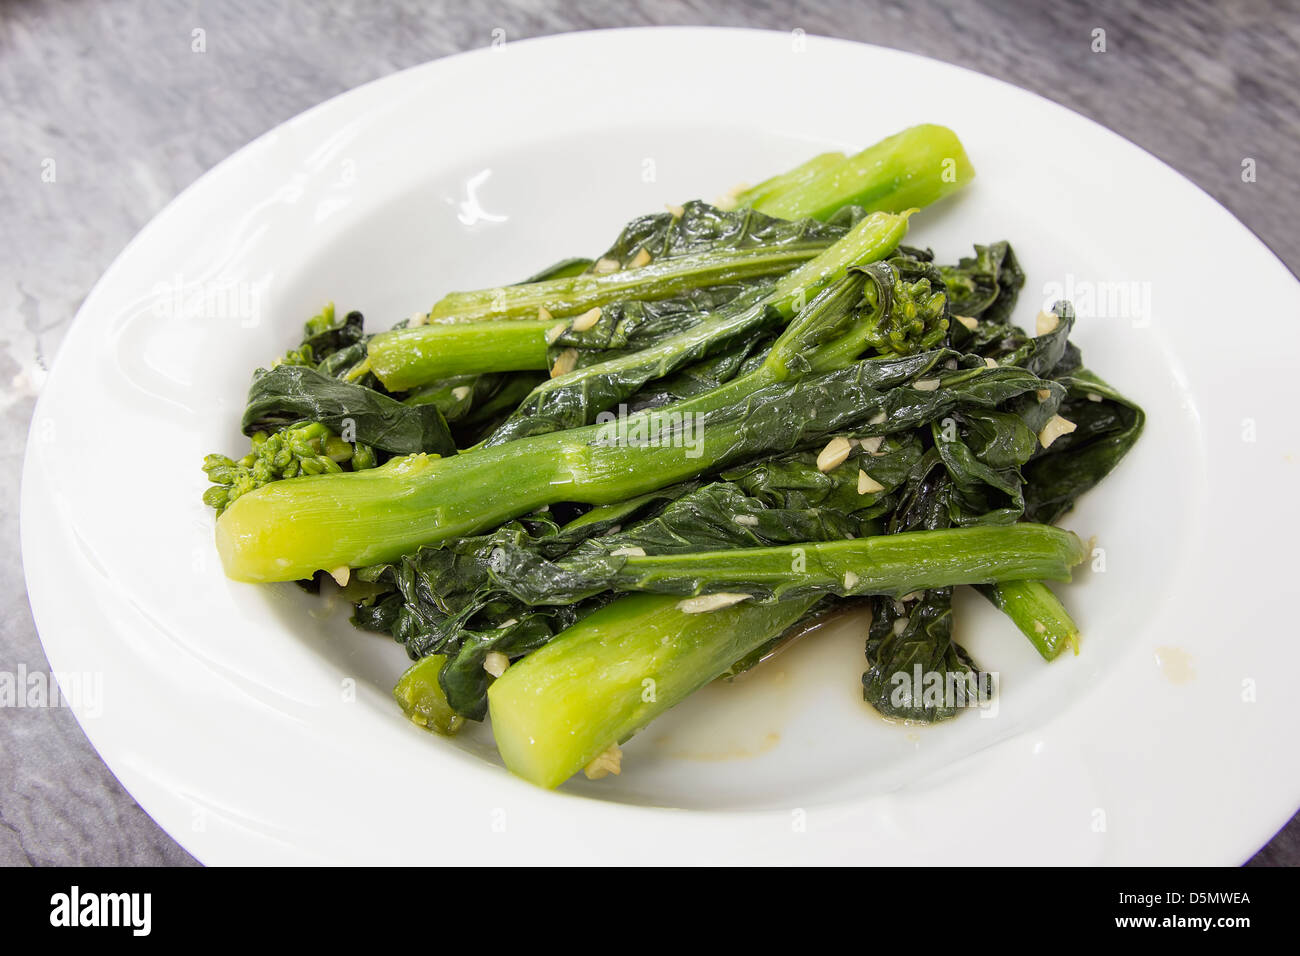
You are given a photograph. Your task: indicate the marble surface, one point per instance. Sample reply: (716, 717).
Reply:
(112, 95)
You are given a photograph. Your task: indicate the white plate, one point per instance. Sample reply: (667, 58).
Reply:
(256, 732)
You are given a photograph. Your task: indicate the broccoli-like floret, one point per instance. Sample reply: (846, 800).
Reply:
(910, 296)
(313, 327)
(303, 449)
(329, 343)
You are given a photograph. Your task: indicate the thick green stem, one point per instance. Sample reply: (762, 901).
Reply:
(617, 669)
(1038, 613)
(405, 358)
(806, 172)
(421, 697)
(909, 169)
(659, 280)
(893, 564)
(875, 237)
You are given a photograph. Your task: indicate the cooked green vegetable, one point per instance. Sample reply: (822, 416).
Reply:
(476, 405)
(915, 670)
(893, 564)
(807, 172)
(372, 517)
(446, 599)
(1038, 613)
(310, 449)
(1106, 426)
(658, 257)
(441, 600)
(291, 529)
(573, 266)
(985, 286)
(409, 357)
(578, 398)
(666, 255)
(603, 680)
(768, 414)
(422, 700)
(292, 393)
(597, 311)
(907, 170)
(624, 664)
(323, 336)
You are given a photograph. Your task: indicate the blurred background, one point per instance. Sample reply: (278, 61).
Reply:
(131, 102)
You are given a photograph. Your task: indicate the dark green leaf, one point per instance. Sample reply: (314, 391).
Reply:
(294, 393)
(915, 670)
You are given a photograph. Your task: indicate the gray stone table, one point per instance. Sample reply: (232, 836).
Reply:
(111, 91)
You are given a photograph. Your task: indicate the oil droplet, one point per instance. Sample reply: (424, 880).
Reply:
(729, 751)
(1176, 664)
